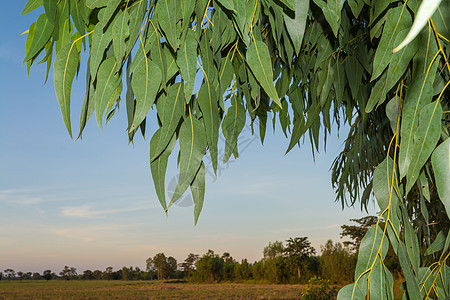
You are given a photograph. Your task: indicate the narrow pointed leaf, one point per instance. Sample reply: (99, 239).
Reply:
(332, 12)
(170, 111)
(64, 69)
(96, 3)
(42, 34)
(120, 32)
(425, 140)
(107, 82)
(232, 125)
(207, 100)
(441, 167)
(109, 10)
(145, 82)
(187, 62)
(167, 18)
(30, 6)
(100, 40)
(192, 141)
(258, 59)
(296, 26)
(158, 167)
(198, 191)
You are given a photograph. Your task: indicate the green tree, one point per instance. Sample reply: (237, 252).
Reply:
(10, 274)
(306, 63)
(356, 232)
(188, 266)
(68, 273)
(298, 251)
(337, 263)
(47, 275)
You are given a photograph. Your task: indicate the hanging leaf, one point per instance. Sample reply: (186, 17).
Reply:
(107, 82)
(207, 100)
(100, 40)
(65, 67)
(43, 32)
(158, 166)
(187, 62)
(30, 6)
(108, 11)
(96, 3)
(120, 32)
(232, 125)
(425, 140)
(426, 10)
(417, 96)
(441, 167)
(332, 12)
(145, 82)
(258, 59)
(192, 141)
(198, 191)
(398, 19)
(167, 19)
(170, 111)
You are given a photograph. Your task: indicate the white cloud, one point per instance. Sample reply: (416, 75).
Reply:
(86, 211)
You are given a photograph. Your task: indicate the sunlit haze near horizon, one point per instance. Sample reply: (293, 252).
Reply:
(91, 203)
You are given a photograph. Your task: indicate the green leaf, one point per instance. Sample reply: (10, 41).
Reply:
(392, 112)
(350, 292)
(187, 62)
(50, 7)
(100, 40)
(289, 4)
(228, 4)
(158, 166)
(425, 140)
(96, 3)
(108, 11)
(107, 82)
(207, 100)
(353, 71)
(368, 249)
(30, 6)
(441, 167)
(438, 243)
(296, 25)
(398, 19)
(64, 69)
(332, 12)
(380, 282)
(167, 19)
(145, 82)
(170, 112)
(384, 186)
(232, 125)
(411, 280)
(400, 61)
(356, 6)
(198, 191)
(42, 33)
(120, 32)
(258, 59)
(77, 10)
(418, 95)
(192, 149)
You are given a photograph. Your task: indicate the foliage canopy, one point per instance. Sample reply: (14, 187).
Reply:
(305, 64)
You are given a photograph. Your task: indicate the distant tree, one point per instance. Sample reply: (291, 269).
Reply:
(87, 275)
(47, 275)
(108, 274)
(243, 270)
(357, 232)
(97, 274)
(273, 250)
(126, 273)
(1, 275)
(209, 267)
(337, 263)
(298, 250)
(160, 263)
(10, 273)
(171, 266)
(188, 266)
(21, 275)
(68, 273)
(36, 276)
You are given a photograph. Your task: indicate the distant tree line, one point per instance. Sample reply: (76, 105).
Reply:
(295, 261)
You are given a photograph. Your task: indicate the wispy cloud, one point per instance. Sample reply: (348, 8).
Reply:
(86, 211)
(88, 233)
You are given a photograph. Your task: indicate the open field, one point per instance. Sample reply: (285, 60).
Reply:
(144, 290)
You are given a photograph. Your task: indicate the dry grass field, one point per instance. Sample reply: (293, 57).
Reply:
(144, 290)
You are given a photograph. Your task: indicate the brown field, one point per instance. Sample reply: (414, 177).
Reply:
(144, 290)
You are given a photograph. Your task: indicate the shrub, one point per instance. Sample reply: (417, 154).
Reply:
(319, 289)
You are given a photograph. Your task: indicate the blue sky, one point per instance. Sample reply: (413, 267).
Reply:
(91, 203)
